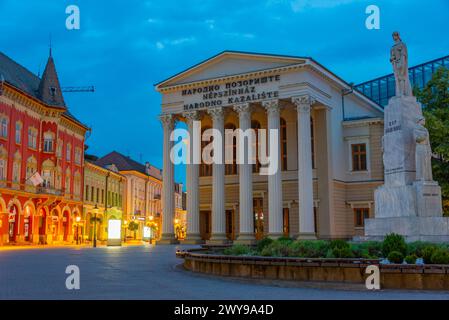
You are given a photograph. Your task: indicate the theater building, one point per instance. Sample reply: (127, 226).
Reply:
(330, 150)
(38, 134)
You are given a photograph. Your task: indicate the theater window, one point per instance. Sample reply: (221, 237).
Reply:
(360, 214)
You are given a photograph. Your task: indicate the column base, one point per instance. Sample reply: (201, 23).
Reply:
(193, 239)
(307, 236)
(168, 239)
(245, 238)
(217, 239)
(276, 235)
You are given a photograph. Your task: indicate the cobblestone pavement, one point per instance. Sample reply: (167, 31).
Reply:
(146, 272)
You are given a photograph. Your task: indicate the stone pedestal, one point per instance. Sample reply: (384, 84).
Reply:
(404, 205)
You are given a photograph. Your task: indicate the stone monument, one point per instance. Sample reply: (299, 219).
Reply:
(409, 203)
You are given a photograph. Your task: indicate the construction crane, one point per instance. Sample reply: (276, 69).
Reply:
(78, 89)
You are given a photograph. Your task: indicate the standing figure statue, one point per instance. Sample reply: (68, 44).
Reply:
(399, 60)
(423, 151)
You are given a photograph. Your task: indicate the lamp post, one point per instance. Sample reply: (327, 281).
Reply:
(125, 225)
(95, 225)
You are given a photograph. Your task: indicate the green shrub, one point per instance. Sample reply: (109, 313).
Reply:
(276, 249)
(263, 243)
(309, 248)
(394, 242)
(237, 250)
(340, 249)
(428, 252)
(285, 239)
(417, 247)
(411, 258)
(367, 250)
(395, 257)
(440, 256)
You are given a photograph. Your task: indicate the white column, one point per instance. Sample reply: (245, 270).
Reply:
(246, 234)
(192, 183)
(305, 169)
(275, 220)
(168, 183)
(218, 189)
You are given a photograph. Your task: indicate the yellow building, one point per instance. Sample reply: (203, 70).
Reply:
(103, 199)
(142, 194)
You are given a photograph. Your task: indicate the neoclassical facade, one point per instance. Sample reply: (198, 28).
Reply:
(329, 143)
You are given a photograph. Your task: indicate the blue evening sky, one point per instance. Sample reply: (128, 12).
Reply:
(124, 47)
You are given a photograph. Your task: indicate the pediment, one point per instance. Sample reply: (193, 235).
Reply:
(230, 63)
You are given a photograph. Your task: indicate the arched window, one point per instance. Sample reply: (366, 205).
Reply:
(58, 178)
(283, 145)
(205, 169)
(3, 163)
(67, 181)
(48, 173)
(77, 185)
(49, 138)
(4, 127)
(31, 168)
(231, 169)
(255, 125)
(16, 167)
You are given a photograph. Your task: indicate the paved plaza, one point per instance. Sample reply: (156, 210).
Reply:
(146, 272)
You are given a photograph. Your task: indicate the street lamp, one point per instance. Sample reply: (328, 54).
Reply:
(95, 225)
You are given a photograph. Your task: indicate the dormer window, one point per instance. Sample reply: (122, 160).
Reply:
(52, 91)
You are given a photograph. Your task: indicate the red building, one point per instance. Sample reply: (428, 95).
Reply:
(38, 135)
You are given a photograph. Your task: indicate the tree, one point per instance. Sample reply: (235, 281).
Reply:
(435, 99)
(133, 226)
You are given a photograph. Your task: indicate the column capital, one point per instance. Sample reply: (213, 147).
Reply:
(167, 120)
(192, 115)
(272, 106)
(303, 103)
(242, 108)
(217, 113)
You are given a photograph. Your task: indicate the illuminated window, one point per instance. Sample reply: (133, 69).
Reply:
(205, 169)
(359, 157)
(231, 169)
(255, 125)
(283, 144)
(360, 214)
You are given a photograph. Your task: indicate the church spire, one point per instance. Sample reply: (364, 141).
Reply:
(49, 88)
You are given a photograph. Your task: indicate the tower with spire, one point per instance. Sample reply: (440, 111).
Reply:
(49, 88)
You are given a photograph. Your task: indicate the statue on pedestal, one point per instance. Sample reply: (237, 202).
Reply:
(423, 152)
(399, 60)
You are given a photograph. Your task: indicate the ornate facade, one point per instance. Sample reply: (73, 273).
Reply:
(39, 138)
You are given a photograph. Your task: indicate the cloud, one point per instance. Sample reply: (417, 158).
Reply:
(160, 45)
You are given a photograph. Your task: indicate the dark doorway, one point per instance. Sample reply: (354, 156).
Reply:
(258, 218)
(286, 219)
(230, 225)
(205, 225)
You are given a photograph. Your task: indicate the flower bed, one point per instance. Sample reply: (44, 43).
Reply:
(329, 261)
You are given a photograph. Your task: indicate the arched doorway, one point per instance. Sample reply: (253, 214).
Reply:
(43, 226)
(13, 221)
(54, 225)
(28, 223)
(66, 225)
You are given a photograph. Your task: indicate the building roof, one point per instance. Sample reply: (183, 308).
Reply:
(124, 163)
(289, 59)
(24, 80)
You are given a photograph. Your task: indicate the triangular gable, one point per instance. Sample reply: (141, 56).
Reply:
(230, 63)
